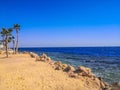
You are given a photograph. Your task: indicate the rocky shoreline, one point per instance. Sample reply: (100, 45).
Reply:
(77, 73)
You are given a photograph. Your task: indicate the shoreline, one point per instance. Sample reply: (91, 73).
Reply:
(101, 60)
(70, 70)
(80, 73)
(104, 85)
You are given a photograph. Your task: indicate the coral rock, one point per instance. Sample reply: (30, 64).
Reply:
(42, 59)
(73, 75)
(38, 58)
(64, 66)
(33, 55)
(58, 65)
(44, 55)
(69, 69)
(84, 71)
(48, 59)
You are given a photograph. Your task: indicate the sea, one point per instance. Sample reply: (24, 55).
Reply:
(104, 61)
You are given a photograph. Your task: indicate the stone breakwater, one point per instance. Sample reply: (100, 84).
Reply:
(72, 72)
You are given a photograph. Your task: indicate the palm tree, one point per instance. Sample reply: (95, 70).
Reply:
(3, 36)
(12, 39)
(7, 34)
(17, 28)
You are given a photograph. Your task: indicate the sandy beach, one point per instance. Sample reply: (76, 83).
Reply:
(21, 72)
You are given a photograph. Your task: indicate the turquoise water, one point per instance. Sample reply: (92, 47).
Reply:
(104, 61)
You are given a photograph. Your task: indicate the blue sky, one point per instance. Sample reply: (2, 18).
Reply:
(59, 23)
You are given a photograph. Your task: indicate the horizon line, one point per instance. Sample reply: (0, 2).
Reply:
(64, 46)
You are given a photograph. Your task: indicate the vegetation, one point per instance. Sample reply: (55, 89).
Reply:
(17, 28)
(7, 37)
(7, 34)
(12, 39)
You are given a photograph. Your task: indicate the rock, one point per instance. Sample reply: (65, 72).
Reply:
(84, 71)
(58, 68)
(97, 82)
(106, 89)
(42, 59)
(52, 64)
(116, 86)
(48, 59)
(80, 69)
(89, 70)
(73, 75)
(91, 75)
(44, 56)
(102, 84)
(116, 83)
(69, 69)
(80, 74)
(25, 52)
(58, 65)
(38, 58)
(106, 84)
(33, 55)
(100, 78)
(64, 66)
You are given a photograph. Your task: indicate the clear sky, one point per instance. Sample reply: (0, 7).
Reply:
(61, 23)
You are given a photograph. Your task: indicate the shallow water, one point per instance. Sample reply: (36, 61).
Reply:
(104, 61)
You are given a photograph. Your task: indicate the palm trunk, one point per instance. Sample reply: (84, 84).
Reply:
(6, 45)
(13, 47)
(16, 51)
(3, 42)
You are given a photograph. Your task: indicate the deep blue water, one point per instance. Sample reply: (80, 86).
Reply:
(104, 61)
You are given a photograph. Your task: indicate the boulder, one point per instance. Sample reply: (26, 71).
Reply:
(58, 65)
(116, 83)
(97, 82)
(102, 84)
(52, 64)
(33, 55)
(88, 70)
(48, 59)
(64, 66)
(84, 71)
(44, 56)
(42, 59)
(38, 58)
(58, 68)
(25, 52)
(69, 69)
(116, 86)
(73, 75)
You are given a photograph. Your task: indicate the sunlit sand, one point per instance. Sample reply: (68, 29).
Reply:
(21, 72)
